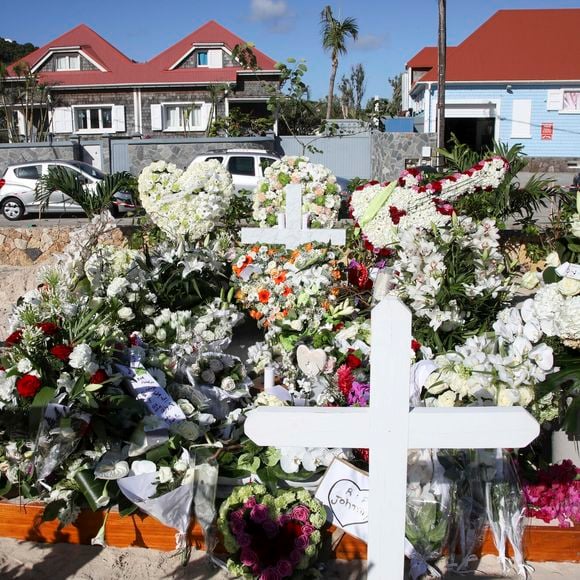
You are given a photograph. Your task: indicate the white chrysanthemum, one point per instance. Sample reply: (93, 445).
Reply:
(81, 356)
(186, 204)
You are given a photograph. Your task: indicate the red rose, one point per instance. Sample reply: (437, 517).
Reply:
(27, 385)
(14, 338)
(352, 361)
(49, 328)
(99, 377)
(415, 345)
(396, 214)
(61, 351)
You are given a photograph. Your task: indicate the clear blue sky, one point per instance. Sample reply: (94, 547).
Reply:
(390, 31)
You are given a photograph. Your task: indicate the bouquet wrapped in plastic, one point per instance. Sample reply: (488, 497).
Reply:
(428, 494)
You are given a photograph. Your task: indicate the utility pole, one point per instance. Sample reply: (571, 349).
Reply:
(441, 64)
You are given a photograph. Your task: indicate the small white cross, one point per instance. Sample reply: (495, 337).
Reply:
(389, 429)
(293, 232)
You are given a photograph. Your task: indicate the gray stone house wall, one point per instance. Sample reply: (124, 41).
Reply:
(142, 152)
(13, 153)
(390, 151)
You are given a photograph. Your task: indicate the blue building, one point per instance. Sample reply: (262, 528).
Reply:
(516, 79)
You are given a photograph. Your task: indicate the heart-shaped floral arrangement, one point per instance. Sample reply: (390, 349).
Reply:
(270, 537)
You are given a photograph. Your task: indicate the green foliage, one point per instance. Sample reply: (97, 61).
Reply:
(511, 198)
(244, 54)
(12, 51)
(71, 183)
(239, 124)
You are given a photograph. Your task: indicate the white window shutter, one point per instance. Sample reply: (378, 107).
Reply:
(554, 100)
(205, 113)
(21, 123)
(156, 118)
(215, 58)
(521, 119)
(62, 120)
(119, 118)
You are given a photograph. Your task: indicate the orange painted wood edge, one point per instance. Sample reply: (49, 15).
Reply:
(24, 522)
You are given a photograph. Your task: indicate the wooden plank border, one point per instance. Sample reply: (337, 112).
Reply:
(24, 522)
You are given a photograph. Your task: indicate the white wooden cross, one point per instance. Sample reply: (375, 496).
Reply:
(292, 230)
(389, 429)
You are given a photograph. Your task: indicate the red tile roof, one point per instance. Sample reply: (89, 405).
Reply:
(516, 45)
(120, 70)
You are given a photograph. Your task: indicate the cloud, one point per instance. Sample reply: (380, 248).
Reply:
(269, 10)
(369, 42)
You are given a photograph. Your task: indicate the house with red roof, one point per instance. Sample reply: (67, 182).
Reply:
(96, 90)
(515, 79)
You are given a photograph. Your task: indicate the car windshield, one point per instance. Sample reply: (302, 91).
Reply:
(88, 169)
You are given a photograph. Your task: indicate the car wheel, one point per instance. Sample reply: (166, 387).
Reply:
(12, 209)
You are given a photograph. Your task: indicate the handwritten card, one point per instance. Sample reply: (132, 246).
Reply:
(344, 491)
(145, 388)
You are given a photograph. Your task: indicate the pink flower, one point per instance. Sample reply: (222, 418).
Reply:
(248, 557)
(259, 513)
(270, 574)
(301, 513)
(284, 568)
(301, 542)
(250, 502)
(270, 528)
(244, 540)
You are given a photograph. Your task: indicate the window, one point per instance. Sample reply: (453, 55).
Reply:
(28, 172)
(93, 118)
(181, 117)
(265, 162)
(241, 166)
(67, 62)
(571, 102)
(220, 159)
(201, 56)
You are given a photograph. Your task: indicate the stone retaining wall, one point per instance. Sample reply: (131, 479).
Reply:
(31, 246)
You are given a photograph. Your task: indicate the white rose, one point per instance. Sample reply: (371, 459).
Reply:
(569, 286)
(125, 313)
(150, 329)
(526, 396)
(81, 356)
(530, 280)
(24, 365)
(164, 474)
(447, 399)
(161, 335)
(508, 397)
(552, 259)
(228, 384)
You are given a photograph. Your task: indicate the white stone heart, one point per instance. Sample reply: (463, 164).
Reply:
(310, 361)
(349, 503)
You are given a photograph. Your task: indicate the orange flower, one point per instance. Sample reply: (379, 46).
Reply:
(308, 247)
(336, 274)
(326, 305)
(264, 296)
(287, 290)
(255, 249)
(239, 295)
(256, 315)
(279, 277)
(239, 269)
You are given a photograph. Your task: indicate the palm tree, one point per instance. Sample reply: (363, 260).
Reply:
(334, 36)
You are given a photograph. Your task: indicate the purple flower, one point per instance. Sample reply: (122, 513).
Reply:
(250, 502)
(284, 568)
(259, 513)
(248, 557)
(301, 542)
(237, 515)
(359, 394)
(301, 513)
(270, 527)
(237, 526)
(270, 574)
(244, 540)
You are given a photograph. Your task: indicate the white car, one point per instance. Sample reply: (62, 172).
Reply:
(246, 165)
(18, 185)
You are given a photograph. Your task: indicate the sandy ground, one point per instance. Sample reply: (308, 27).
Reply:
(26, 560)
